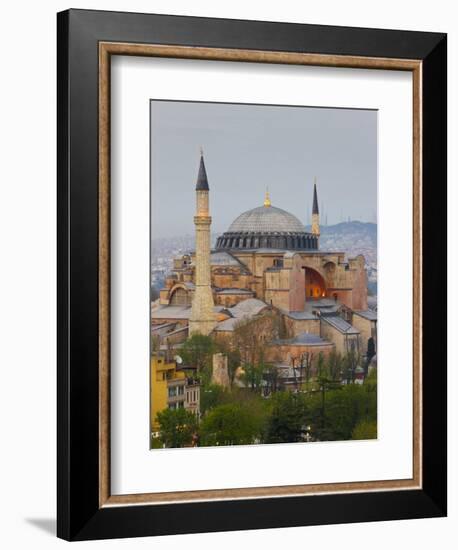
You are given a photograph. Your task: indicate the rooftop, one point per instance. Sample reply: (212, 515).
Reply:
(243, 310)
(252, 306)
(266, 219)
(368, 314)
(176, 312)
(235, 291)
(299, 315)
(302, 339)
(338, 323)
(224, 258)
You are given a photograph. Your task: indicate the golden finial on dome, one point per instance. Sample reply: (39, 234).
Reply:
(267, 198)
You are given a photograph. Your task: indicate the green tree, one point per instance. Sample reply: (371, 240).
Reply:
(156, 443)
(306, 368)
(250, 336)
(288, 419)
(197, 351)
(272, 378)
(369, 354)
(370, 388)
(177, 427)
(230, 424)
(334, 366)
(212, 395)
(366, 429)
(344, 409)
(349, 363)
(253, 375)
(371, 380)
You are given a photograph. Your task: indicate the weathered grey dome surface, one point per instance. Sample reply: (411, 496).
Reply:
(266, 219)
(267, 227)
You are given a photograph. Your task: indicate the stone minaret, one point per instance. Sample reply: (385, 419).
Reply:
(203, 318)
(315, 213)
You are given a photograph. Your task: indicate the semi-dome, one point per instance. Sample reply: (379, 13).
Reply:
(267, 227)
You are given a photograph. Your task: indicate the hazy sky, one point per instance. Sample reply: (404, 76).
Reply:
(250, 147)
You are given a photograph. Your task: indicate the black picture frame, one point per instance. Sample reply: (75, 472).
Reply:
(78, 511)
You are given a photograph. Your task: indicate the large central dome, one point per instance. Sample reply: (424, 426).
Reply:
(266, 219)
(267, 227)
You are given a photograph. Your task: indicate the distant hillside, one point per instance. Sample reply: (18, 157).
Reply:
(363, 229)
(352, 237)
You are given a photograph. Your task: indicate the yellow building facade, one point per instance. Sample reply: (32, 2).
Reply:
(162, 373)
(171, 388)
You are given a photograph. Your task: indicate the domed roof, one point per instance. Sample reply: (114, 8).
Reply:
(267, 227)
(266, 219)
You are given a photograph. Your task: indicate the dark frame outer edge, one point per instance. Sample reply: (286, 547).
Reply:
(79, 517)
(435, 254)
(63, 433)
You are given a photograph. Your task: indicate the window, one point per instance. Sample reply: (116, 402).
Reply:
(180, 390)
(172, 391)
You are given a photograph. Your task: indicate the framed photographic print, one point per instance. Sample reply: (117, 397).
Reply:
(252, 274)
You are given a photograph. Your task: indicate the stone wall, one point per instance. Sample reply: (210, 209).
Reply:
(367, 329)
(342, 341)
(287, 353)
(220, 373)
(297, 326)
(359, 283)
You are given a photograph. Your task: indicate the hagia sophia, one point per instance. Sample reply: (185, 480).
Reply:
(266, 262)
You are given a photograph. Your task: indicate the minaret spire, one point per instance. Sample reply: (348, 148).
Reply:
(202, 181)
(315, 212)
(315, 199)
(203, 319)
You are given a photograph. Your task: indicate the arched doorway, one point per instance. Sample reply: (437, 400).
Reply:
(180, 297)
(315, 286)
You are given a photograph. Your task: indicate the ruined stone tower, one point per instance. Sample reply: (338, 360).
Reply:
(203, 318)
(315, 213)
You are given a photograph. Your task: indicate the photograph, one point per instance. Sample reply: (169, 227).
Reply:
(263, 277)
